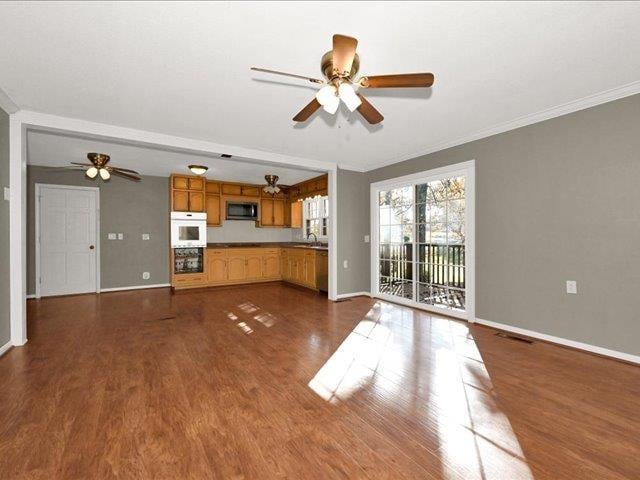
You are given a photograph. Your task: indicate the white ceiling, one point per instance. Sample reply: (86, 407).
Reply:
(56, 150)
(183, 68)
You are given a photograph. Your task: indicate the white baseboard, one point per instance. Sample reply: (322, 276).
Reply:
(30, 296)
(135, 287)
(5, 347)
(352, 294)
(562, 341)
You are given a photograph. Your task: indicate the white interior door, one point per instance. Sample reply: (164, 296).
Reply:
(67, 240)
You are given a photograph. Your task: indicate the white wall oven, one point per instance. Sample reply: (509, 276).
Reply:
(188, 229)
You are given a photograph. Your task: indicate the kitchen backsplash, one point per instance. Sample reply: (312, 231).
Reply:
(245, 231)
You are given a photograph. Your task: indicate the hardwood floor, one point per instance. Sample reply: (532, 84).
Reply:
(269, 381)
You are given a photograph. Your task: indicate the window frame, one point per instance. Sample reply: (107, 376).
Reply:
(323, 204)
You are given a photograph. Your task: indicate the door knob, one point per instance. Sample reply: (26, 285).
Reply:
(91, 247)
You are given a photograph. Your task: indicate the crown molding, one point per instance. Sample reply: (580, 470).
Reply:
(553, 112)
(7, 104)
(351, 167)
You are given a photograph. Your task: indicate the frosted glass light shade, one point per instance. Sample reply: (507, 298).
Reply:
(332, 106)
(104, 173)
(326, 95)
(349, 97)
(91, 172)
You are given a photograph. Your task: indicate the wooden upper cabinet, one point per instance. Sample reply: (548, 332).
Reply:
(196, 183)
(321, 183)
(231, 189)
(278, 213)
(250, 191)
(196, 201)
(180, 182)
(180, 201)
(212, 187)
(296, 214)
(266, 212)
(213, 210)
(309, 188)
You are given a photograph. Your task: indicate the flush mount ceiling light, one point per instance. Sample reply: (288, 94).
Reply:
(340, 67)
(198, 169)
(99, 165)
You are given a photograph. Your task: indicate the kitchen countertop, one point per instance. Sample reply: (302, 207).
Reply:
(322, 247)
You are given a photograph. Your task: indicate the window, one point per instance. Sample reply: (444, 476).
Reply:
(315, 216)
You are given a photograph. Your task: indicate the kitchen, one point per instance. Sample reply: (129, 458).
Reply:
(229, 233)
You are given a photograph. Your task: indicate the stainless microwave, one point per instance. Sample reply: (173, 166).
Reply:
(242, 211)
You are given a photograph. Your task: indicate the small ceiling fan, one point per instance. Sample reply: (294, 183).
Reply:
(99, 165)
(272, 187)
(339, 67)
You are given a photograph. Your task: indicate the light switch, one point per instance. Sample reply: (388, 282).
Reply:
(572, 286)
(111, 236)
(121, 236)
(345, 264)
(366, 239)
(145, 236)
(7, 194)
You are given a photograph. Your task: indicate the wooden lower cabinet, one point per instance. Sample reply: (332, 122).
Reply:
(229, 266)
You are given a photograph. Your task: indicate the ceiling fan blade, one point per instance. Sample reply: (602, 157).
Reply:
(401, 80)
(344, 51)
(285, 74)
(369, 112)
(307, 111)
(83, 164)
(124, 170)
(122, 174)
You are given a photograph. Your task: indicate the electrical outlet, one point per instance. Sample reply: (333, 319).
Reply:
(145, 236)
(7, 194)
(345, 264)
(111, 236)
(572, 287)
(146, 275)
(366, 239)
(121, 236)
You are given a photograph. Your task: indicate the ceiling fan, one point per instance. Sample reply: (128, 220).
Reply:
(272, 187)
(99, 165)
(339, 67)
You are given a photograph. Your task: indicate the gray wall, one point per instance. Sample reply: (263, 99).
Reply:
(132, 208)
(5, 322)
(353, 225)
(555, 201)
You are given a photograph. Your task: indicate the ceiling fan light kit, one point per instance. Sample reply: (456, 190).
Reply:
(99, 165)
(339, 67)
(271, 187)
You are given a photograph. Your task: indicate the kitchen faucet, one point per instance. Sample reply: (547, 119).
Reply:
(315, 242)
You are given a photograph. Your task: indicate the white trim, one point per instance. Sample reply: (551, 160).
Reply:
(562, 341)
(352, 294)
(4, 348)
(18, 230)
(7, 104)
(332, 191)
(38, 187)
(31, 296)
(134, 287)
(547, 114)
(464, 168)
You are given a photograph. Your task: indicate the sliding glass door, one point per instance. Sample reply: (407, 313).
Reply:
(421, 241)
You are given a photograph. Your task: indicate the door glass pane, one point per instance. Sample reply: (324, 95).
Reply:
(433, 216)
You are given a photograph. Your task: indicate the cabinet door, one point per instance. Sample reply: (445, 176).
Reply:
(266, 212)
(236, 268)
(296, 215)
(217, 269)
(253, 267)
(231, 189)
(180, 201)
(278, 213)
(196, 184)
(271, 266)
(250, 191)
(310, 270)
(196, 201)
(212, 187)
(181, 182)
(213, 210)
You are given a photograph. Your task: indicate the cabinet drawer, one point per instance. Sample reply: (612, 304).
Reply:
(194, 279)
(215, 253)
